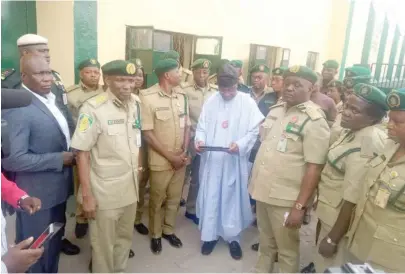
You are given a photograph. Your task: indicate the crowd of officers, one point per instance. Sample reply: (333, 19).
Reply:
(335, 157)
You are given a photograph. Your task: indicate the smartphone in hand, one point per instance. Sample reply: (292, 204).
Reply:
(47, 235)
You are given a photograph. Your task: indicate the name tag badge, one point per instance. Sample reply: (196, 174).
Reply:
(282, 144)
(138, 139)
(182, 119)
(65, 101)
(381, 199)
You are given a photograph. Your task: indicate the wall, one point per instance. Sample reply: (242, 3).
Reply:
(55, 22)
(266, 22)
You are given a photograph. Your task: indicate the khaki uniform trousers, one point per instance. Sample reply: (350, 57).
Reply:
(342, 255)
(164, 199)
(80, 219)
(143, 181)
(111, 238)
(275, 238)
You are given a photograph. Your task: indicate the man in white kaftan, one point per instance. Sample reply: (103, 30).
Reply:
(229, 119)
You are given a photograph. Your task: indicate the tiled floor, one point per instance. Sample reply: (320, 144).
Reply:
(187, 259)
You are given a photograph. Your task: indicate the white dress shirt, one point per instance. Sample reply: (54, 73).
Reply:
(49, 102)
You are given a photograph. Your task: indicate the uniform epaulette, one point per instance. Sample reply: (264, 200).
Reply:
(187, 71)
(313, 112)
(6, 73)
(148, 91)
(179, 90)
(185, 84)
(281, 104)
(72, 88)
(98, 100)
(213, 86)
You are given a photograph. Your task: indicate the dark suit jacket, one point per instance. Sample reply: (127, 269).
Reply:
(37, 143)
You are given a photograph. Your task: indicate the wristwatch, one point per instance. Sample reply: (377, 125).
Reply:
(21, 199)
(329, 241)
(299, 206)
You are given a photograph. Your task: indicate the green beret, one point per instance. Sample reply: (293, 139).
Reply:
(137, 62)
(260, 68)
(279, 71)
(350, 82)
(237, 63)
(201, 63)
(171, 54)
(357, 70)
(119, 67)
(89, 63)
(165, 65)
(302, 72)
(335, 84)
(331, 64)
(396, 99)
(371, 94)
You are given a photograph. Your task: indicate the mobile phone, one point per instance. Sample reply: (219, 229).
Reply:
(47, 235)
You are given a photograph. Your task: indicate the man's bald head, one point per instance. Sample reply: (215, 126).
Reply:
(36, 73)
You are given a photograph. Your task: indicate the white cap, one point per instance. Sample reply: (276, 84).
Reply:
(31, 39)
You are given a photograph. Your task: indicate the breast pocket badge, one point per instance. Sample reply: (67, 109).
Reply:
(282, 144)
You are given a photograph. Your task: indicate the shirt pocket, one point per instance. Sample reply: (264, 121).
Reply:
(265, 129)
(388, 247)
(397, 197)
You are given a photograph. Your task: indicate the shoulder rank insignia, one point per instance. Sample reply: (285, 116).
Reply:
(98, 100)
(313, 113)
(184, 85)
(72, 88)
(6, 73)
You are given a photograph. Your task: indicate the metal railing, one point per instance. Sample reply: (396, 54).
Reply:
(388, 76)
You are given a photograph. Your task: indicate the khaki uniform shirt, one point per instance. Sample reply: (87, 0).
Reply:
(290, 139)
(377, 234)
(111, 132)
(343, 173)
(168, 117)
(77, 95)
(196, 98)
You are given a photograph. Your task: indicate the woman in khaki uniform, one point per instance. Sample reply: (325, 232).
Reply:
(377, 232)
(346, 159)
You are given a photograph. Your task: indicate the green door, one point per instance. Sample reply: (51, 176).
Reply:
(149, 45)
(17, 18)
(208, 47)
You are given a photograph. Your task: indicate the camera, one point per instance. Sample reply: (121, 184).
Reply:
(11, 98)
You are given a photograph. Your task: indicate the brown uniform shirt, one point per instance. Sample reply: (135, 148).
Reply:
(343, 173)
(290, 139)
(377, 234)
(168, 117)
(111, 132)
(77, 95)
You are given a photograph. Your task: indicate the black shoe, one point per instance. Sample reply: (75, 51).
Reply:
(156, 245)
(142, 229)
(68, 248)
(309, 268)
(192, 217)
(208, 247)
(173, 240)
(235, 250)
(255, 247)
(91, 266)
(182, 202)
(81, 230)
(131, 254)
(254, 223)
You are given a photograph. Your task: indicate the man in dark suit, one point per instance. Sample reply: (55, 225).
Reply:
(32, 44)
(40, 158)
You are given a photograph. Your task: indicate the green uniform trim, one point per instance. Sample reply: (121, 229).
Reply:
(346, 153)
(392, 202)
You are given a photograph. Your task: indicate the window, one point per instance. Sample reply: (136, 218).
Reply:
(208, 46)
(162, 41)
(140, 38)
(312, 58)
(261, 53)
(285, 60)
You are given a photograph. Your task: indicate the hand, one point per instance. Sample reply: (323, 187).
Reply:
(68, 158)
(234, 148)
(198, 146)
(177, 161)
(89, 207)
(19, 258)
(31, 205)
(327, 250)
(295, 218)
